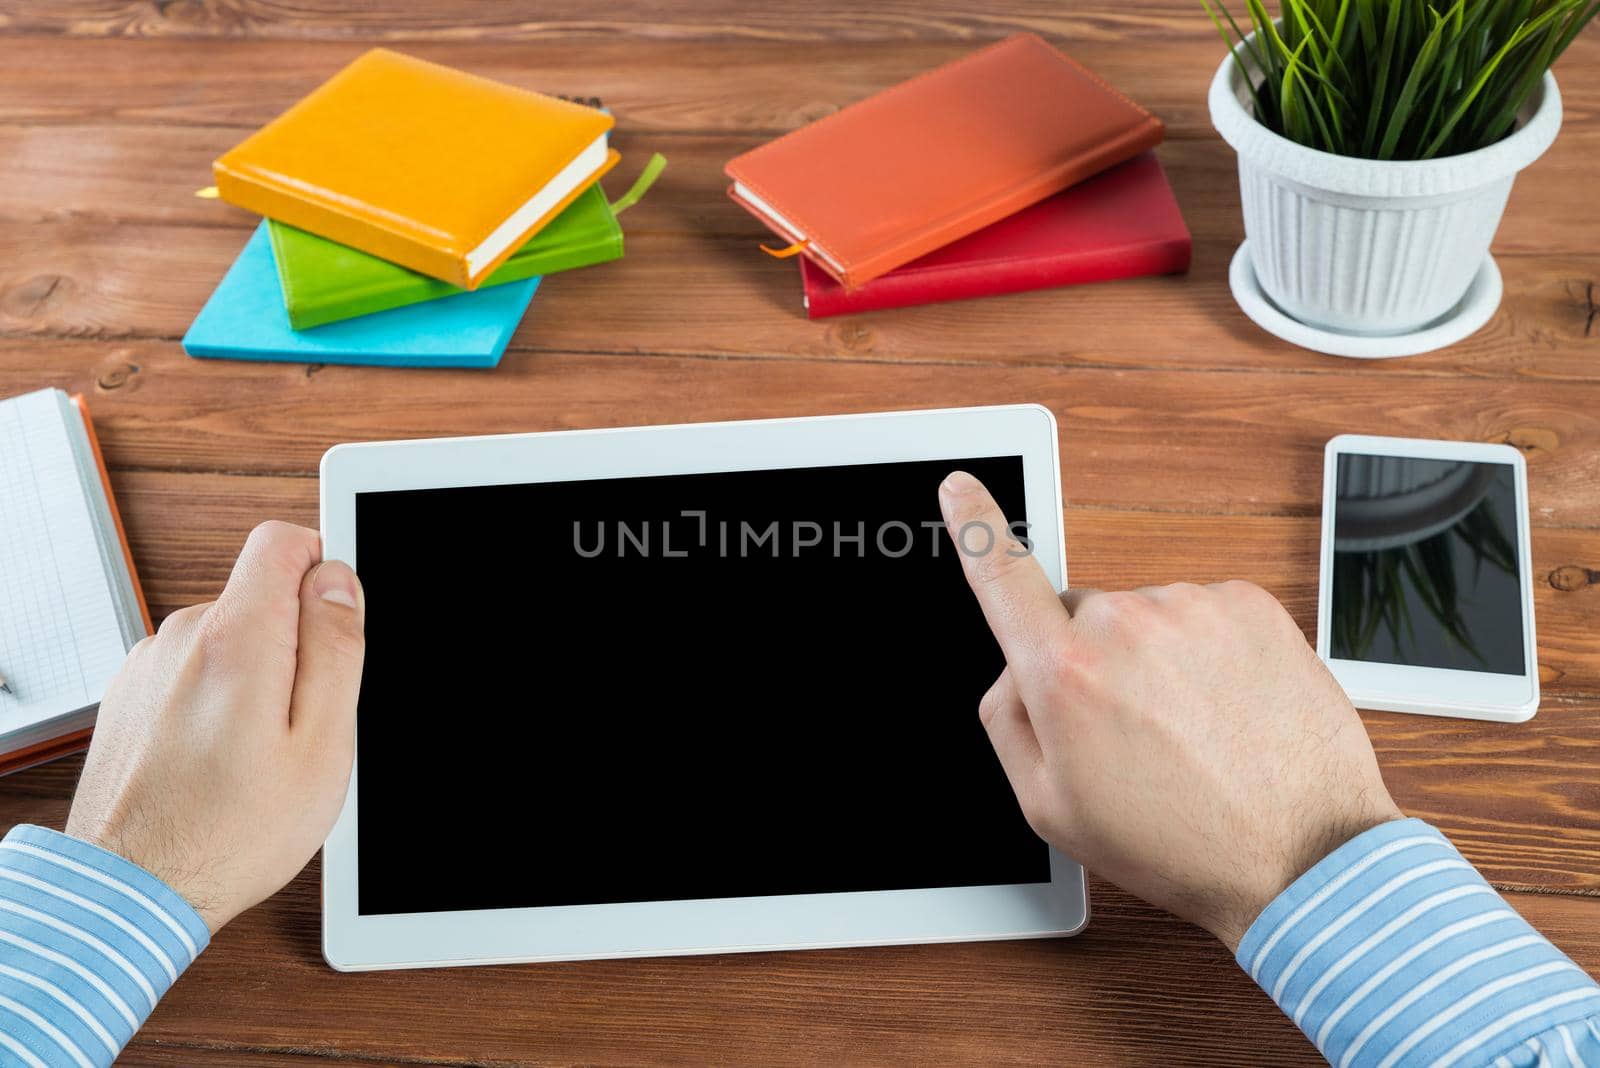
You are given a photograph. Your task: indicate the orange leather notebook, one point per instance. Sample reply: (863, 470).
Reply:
(895, 176)
(431, 168)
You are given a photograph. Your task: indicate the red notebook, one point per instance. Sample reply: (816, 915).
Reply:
(877, 184)
(1122, 223)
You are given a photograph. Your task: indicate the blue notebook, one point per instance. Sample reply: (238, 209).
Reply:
(245, 319)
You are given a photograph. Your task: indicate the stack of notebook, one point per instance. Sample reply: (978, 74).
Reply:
(1012, 168)
(410, 212)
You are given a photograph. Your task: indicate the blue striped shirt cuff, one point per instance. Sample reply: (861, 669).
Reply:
(1395, 951)
(88, 944)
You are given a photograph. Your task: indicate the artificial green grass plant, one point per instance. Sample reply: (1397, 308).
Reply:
(1398, 79)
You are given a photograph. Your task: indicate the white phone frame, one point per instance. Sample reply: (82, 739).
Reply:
(1428, 690)
(355, 942)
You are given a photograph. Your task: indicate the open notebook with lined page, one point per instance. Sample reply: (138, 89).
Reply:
(70, 607)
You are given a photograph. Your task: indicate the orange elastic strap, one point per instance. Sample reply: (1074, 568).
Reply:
(784, 253)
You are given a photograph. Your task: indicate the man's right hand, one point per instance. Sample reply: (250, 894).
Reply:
(1182, 741)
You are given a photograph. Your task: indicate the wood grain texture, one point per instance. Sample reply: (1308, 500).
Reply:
(834, 21)
(151, 1052)
(657, 89)
(1144, 438)
(79, 241)
(1137, 988)
(1519, 800)
(183, 563)
(79, 278)
(55, 176)
(1191, 450)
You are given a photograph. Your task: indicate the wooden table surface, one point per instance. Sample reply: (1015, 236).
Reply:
(1191, 446)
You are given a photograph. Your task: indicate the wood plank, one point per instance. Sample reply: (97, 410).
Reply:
(122, 172)
(1237, 443)
(77, 278)
(183, 563)
(97, 212)
(837, 22)
(1192, 450)
(1137, 988)
(191, 1050)
(1522, 801)
(654, 85)
(898, 20)
(115, 173)
(1119, 549)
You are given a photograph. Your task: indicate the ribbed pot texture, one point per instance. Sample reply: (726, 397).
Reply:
(1373, 247)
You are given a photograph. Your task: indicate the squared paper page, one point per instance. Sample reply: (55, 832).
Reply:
(60, 637)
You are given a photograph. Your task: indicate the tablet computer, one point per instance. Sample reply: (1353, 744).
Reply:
(681, 689)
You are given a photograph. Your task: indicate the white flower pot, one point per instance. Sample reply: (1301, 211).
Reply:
(1363, 246)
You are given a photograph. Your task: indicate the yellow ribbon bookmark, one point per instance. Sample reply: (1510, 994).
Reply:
(784, 253)
(641, 185)
(208, 193)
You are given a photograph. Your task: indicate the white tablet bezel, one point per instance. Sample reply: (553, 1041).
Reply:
(352, 942)
(1425, 690)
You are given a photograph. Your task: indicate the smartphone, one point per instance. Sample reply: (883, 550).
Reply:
(1425, 599)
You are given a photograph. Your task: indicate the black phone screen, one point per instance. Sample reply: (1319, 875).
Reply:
(1426, 564)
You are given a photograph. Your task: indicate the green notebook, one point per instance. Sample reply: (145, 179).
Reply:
(324, 281)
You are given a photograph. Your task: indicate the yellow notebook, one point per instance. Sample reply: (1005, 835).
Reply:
(440, 171)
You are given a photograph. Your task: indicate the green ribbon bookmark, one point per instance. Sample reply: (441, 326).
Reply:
(641, 185)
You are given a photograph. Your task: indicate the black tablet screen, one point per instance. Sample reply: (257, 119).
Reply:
(678, 687)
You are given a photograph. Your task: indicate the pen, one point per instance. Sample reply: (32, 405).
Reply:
(5, 687)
